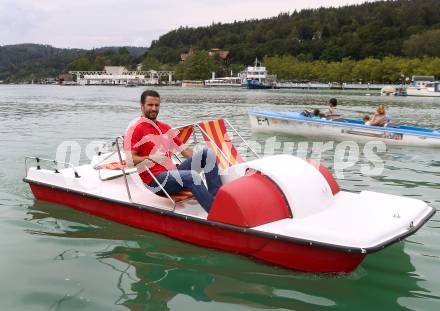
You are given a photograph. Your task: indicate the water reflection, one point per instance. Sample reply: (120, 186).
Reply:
(137, 270)
(152, 272)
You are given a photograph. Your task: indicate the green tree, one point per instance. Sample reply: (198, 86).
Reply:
(363, 70)
(80, 64)
(198, 66)
(179, 71)
(151, 63)
(100, 62)
(236, 68)
(423, 44)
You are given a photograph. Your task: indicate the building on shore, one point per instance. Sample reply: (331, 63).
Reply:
(66, 79)
(119, 75)
(184, 56)
(223, 55)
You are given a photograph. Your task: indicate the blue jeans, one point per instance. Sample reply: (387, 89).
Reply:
(187, 176)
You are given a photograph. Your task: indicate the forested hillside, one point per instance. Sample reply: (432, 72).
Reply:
(33, 61)
(27, 62)
(378, 41)
(378, 29)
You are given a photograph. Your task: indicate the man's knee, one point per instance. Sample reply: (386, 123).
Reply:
(190, 178)
(208, 156)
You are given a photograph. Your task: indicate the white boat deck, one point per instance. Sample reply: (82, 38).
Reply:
(362, 220)
(114, 189)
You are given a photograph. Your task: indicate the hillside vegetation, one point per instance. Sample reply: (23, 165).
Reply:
(372, 42)
(377, 29)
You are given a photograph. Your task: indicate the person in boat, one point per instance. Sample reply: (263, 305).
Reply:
(366, 119)
(151, 143)
(380, 117)
(332, 111)
(332, 106)
(317, 113)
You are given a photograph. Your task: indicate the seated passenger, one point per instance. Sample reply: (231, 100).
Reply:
(380, 118)
(306, 113)
(332, 111)
(366, 119)
(150, 144)
(317, 113)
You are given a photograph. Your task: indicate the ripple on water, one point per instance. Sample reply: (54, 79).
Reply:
(57, 258)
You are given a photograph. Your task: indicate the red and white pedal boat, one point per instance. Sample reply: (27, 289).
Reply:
(280, 209)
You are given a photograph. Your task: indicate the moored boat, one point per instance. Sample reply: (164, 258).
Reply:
(295, 123)
(223, 82)
(392, 90)
(429, 89)
(280, 209)
(422, 86)
(257, 77)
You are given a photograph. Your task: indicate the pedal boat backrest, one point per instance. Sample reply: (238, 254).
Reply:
(216, 138)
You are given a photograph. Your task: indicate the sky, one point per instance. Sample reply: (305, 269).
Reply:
(95, 23)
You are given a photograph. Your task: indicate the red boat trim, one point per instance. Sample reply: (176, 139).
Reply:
(266, 235)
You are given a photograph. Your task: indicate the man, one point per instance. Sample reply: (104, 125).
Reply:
(332, 112)
(151, 144)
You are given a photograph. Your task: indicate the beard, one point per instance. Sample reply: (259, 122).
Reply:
(151, 115)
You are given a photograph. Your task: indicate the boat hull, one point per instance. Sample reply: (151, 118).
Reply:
(297, 256)
(422, 92)
(332, 130)
(258, 85)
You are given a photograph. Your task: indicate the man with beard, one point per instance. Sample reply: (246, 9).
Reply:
(151, 143)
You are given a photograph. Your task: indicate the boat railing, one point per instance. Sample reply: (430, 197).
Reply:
(106, 147)
(51, 161)
(204, 134)
(242, 139)
(121, 166)
(124, 173)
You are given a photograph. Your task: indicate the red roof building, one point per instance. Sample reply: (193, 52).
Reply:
(222, 54)
(183, 56)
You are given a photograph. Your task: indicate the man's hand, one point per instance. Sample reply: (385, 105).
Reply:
(158, 157)
(187, 152)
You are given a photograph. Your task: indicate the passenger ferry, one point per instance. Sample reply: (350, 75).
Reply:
(257, 77)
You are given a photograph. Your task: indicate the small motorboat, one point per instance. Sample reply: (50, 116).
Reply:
(295, 123)
(425, 86)
(280, 209)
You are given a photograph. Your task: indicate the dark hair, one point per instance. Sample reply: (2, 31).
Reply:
(147, 93)
(316, 112)
(333, 102)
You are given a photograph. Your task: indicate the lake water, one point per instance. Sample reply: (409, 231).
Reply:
(56, 258)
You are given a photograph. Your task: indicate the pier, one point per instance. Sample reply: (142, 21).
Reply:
(118, 75)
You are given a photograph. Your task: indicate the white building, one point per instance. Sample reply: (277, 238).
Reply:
(119, 75)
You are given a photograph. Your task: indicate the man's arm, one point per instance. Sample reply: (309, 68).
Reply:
(137, 159)
(157, 157)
